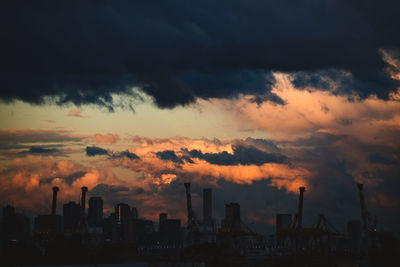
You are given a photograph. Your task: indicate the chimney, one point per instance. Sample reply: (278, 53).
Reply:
(54, 206)
(300, 212)
(83, 200)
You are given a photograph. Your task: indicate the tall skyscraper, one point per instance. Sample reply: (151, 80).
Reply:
(123, 220)
(95, 212)
(207, 206)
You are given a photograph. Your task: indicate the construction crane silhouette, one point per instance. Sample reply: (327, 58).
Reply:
(368, 226)
(192, 225)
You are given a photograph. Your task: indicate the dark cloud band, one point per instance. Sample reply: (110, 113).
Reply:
(177, 51)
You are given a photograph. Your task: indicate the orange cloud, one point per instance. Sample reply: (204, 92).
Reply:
(27, 182)
(311, 111)
(199, 171)
(108, 138)
(149, 145)
(75, 112)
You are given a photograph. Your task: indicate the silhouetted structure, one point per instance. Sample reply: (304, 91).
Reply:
(71, 216)
(44, 226)
(354, 233)
(14, 227)
(190, 212)
(48, 225)
(123, 226)
(124, 237)
(82, 221)
(109, 228)
(172, 230)
(163, 217)
(54, 205)
(300, 210)
(207, 206)
(232, 217)
(95, 211)
(142, 230)
(135, 213)
(283, 221)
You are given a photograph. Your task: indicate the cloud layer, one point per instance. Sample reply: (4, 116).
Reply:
(149, 175)
(69, 51)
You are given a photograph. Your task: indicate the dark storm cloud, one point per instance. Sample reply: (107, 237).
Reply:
(8, 138)
(92, 151)
(82, 52)
(241, 155)
(126, 154)
(380, 158)
(245, 155)
(42, 150)
(169, 155)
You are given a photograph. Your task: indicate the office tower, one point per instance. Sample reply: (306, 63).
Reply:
(123, 220)
(95, 212)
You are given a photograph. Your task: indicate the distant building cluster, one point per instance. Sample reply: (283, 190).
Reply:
(126, 234)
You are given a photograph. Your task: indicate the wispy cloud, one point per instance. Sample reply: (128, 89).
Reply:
(75, 112)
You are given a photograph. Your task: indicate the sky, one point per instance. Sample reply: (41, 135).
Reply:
(251, 98)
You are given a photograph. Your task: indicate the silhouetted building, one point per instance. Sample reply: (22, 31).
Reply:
(354, 233)
(169, 229)
(47, 225)
(283, 221)
(15, 227)
(142, 230)
(109, 227)
(71, 216)
(123, 220)
(163, 217)
(232, 217)
(95, 212)
(207, 206)
(173, 229)
(135, 214)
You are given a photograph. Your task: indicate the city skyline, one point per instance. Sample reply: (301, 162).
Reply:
(252, 100)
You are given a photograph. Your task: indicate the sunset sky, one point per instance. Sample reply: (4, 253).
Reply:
(252, 98)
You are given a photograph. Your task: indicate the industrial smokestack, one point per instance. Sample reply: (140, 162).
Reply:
(364, 214)
(83, 200)
(54, 206)
(300, 212)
